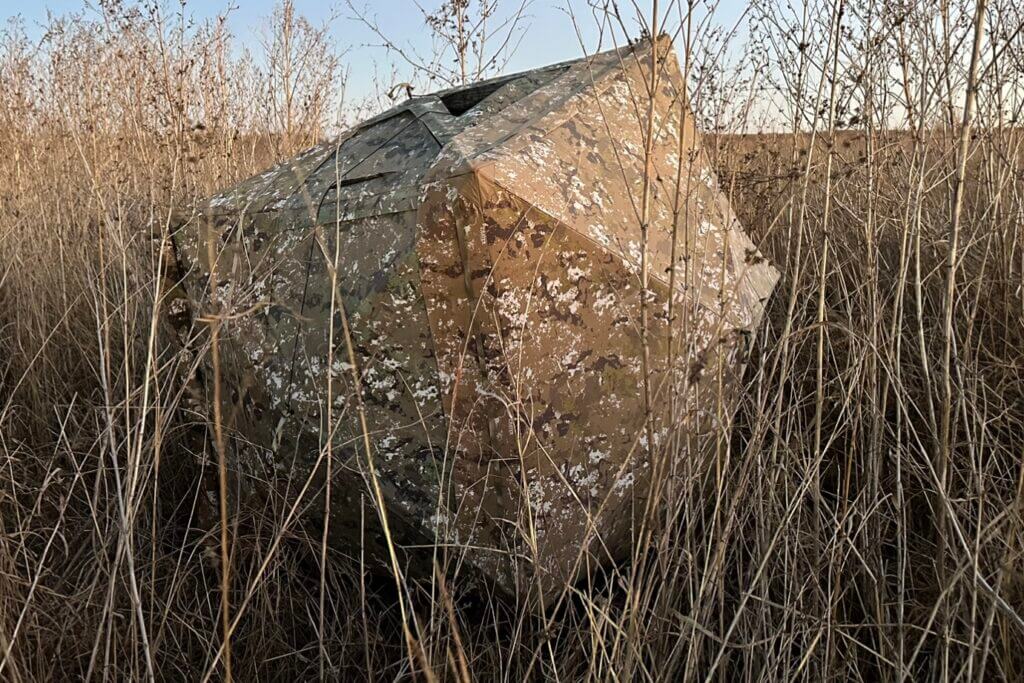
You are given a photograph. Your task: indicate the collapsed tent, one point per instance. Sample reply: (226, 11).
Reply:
(484, 246)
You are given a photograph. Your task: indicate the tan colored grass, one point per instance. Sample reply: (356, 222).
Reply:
(810, 545)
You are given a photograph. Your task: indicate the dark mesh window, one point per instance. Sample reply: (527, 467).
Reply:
(461, 101)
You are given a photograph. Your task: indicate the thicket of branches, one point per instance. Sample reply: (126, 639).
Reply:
(863, 520)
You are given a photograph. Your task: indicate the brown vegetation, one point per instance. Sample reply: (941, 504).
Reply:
(863, 520)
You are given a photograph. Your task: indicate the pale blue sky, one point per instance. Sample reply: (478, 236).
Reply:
(551, 37)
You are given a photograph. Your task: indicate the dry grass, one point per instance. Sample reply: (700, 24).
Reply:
(862, 522)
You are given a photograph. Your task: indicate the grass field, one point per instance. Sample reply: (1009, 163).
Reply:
(862, 522)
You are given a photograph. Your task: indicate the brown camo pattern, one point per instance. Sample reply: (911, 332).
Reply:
(489, 264)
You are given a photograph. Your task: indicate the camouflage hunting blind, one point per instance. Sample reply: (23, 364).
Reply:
(485, 243)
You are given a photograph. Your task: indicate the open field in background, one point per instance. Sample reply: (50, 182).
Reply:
(862, 522)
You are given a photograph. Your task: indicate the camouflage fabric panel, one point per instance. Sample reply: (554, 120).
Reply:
(394, 355)
(550, 324)
(486, 245)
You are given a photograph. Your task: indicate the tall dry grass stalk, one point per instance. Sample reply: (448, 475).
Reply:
(859, 518)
